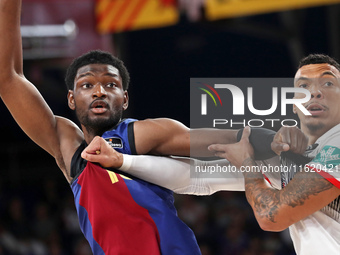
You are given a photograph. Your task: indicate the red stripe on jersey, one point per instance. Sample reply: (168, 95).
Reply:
(327, 176)
(120, 226)
(267, 179)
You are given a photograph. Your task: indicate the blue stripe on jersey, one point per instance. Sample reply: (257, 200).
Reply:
(84, 222)
(179, 240)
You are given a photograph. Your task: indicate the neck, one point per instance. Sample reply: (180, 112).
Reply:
(312, 139)
(90, 133)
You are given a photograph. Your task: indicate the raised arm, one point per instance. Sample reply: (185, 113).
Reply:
(22, 99)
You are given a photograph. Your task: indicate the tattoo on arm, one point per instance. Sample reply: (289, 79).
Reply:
(267, 201)
(264, 200)
(302, 187)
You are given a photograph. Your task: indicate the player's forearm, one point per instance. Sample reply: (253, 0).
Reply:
(163, 171)
(10, 40)
(264, 200)
(200, 139)
(276, 210)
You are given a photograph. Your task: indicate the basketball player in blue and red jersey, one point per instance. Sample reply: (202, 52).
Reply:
(117, 214)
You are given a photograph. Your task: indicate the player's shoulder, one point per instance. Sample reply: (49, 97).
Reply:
(151, 135)
(329, 139)
(159, 122)
(159, 128)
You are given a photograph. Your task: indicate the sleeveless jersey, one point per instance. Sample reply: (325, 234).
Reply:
(121, 214)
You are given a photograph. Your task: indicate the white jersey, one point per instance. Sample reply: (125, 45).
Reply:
(319, 233)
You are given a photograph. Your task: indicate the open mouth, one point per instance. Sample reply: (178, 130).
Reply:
(99, 106)
(99, 103)
(315, 109)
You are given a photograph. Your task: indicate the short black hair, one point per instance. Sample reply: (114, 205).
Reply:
(318, 59)
(96, 57)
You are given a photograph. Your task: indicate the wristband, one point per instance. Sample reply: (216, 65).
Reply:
(127, 162)
(260, 139)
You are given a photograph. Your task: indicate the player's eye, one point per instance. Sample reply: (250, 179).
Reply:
(86, 85)
(303, 85)
(111, 85)
(328, 84)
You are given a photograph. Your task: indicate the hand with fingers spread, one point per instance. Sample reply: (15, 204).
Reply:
(235, 153)
(99, 151)
(289, 139)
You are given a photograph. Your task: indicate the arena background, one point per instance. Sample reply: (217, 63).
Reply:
(37, 214)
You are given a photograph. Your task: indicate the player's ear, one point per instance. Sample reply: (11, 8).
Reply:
(126, 100)
(70, 100)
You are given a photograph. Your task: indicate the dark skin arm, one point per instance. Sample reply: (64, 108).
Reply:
(169, 137)
(23, 100)
(276, 210)
(160, 137)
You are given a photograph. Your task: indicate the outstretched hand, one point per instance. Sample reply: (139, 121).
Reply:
(99, 151)
(289, 139)
(235, 153)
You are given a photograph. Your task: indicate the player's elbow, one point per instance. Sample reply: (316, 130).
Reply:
(273, 225)
(272, 217)
(274, 221)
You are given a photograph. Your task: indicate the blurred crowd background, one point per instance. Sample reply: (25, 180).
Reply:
(198, 38)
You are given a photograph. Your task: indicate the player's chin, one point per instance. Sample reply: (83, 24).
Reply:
(103, 115)
(316, 125)
(314, 121)
(100, 119)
